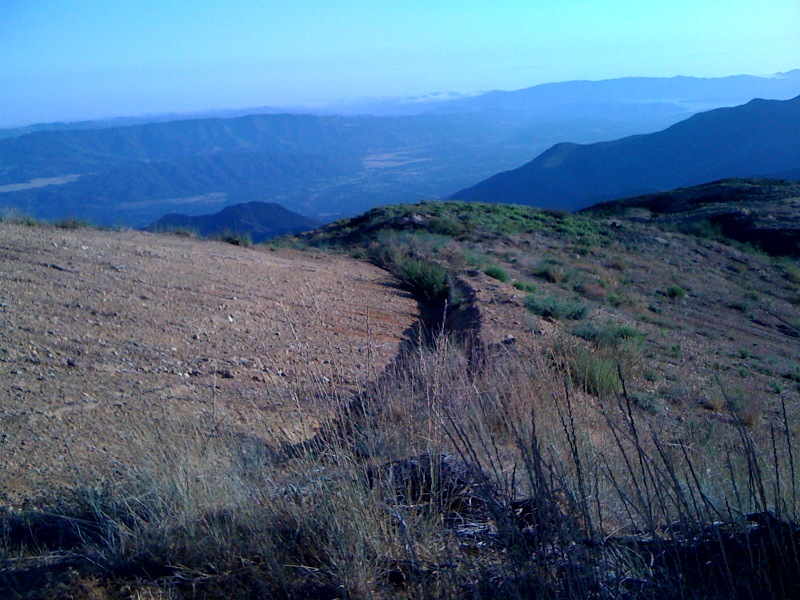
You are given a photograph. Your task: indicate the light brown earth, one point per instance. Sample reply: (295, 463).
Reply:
(103, 331)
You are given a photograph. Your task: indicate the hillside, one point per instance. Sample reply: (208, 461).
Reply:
(591, 402)
(256, 222)
(332, 166)
(764, 213)
(758, 139)
(101, 328)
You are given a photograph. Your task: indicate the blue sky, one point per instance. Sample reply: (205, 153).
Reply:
(79, 59)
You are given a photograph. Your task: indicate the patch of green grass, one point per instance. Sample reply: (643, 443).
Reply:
(614, 299)
(791, 271)
(556, 308)
(607, 335)
(525, 286)
(474, 259)
(14, 218)
(474, 221)
(595, 371)
(552, 270)
(243, 239)
(703, 229)
(69, 223)
(676, 292)
(647, 401)
(496, 272)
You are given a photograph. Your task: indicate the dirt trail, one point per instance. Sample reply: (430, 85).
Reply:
(102, 331)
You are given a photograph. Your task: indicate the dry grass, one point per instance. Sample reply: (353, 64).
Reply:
(560, 494)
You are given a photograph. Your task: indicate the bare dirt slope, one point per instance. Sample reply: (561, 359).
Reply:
(100, 331)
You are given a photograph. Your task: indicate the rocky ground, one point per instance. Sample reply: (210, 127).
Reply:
(103, 331)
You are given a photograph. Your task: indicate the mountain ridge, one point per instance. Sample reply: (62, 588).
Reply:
(759, 138)
(328, 166)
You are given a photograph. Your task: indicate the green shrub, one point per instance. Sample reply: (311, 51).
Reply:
(791, 272)
(676, 292)
(614, 299)
(448, 225)
(428, 280)
(496, 272)
(551, 270)
(237, 239)
(525, 286)
(596, 372)
(69, 223)
(608, 335)
(474, 259)
(556, 308)
(647, 401)
(14, 217)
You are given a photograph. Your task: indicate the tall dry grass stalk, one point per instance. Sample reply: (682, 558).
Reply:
(546, 490)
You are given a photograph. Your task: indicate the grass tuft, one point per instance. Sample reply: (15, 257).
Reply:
(556, 308)
(496, 272)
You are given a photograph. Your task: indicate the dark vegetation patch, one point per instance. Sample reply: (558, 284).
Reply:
(761, 214)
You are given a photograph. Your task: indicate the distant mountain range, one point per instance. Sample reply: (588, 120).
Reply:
(758, 139)
(334, 166)
(259, 221)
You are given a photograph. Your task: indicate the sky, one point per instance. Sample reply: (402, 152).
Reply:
(67, 60)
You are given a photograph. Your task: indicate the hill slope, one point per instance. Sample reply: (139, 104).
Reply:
(332, 166)
(760, 138)
(259, 221)
(762, 212)
(597, 395)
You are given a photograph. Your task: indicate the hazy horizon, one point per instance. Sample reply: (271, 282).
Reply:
(83, 60)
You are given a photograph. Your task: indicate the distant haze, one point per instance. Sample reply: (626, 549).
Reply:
(67, 61)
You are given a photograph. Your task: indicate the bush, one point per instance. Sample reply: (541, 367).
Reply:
(556, 308)
(525, 286)
(594, 371)
(428, 280)
(14, 217)
(676, 292)
(608, 335)
(237, 239)
(68, 223)
(552, 271)
(497, 272)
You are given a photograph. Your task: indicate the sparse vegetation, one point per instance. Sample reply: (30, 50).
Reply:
(496, 272)
(609, 335)
(434, 484)
(555, 307)
(607, 452)
(525, 286)
(676, 292)
(69, 223)
(552, 270)
(243, 239)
